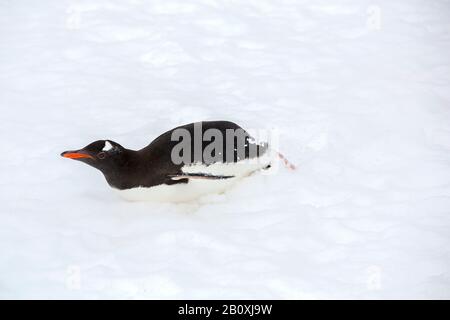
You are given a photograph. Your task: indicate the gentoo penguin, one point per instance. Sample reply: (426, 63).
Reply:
(181, 164)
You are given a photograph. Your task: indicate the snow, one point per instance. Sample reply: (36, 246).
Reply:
(358, 90)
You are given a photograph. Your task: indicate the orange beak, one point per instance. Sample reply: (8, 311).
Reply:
(76, 155)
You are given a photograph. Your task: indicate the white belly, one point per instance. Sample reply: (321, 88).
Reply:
(196, 188)
(181, 192)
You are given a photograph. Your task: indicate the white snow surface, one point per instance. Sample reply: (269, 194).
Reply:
(359, 91)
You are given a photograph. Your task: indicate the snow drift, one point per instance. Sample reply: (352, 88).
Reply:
(360, 95)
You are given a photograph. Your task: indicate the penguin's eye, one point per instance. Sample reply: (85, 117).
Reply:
(101, 155)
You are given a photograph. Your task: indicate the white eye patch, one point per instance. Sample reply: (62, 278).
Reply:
(108, 146)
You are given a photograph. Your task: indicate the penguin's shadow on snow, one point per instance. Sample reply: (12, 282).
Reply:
(135, 208)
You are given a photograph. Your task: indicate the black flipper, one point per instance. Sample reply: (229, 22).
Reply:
(198, 176)
(170, 182)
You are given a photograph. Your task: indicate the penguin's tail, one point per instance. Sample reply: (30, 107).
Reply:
(286, 162)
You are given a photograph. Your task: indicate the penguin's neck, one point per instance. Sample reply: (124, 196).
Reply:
(127, 171)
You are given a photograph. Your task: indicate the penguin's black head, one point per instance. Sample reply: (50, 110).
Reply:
(104, 155)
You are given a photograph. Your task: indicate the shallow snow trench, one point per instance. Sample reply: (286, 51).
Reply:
(360, 96)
